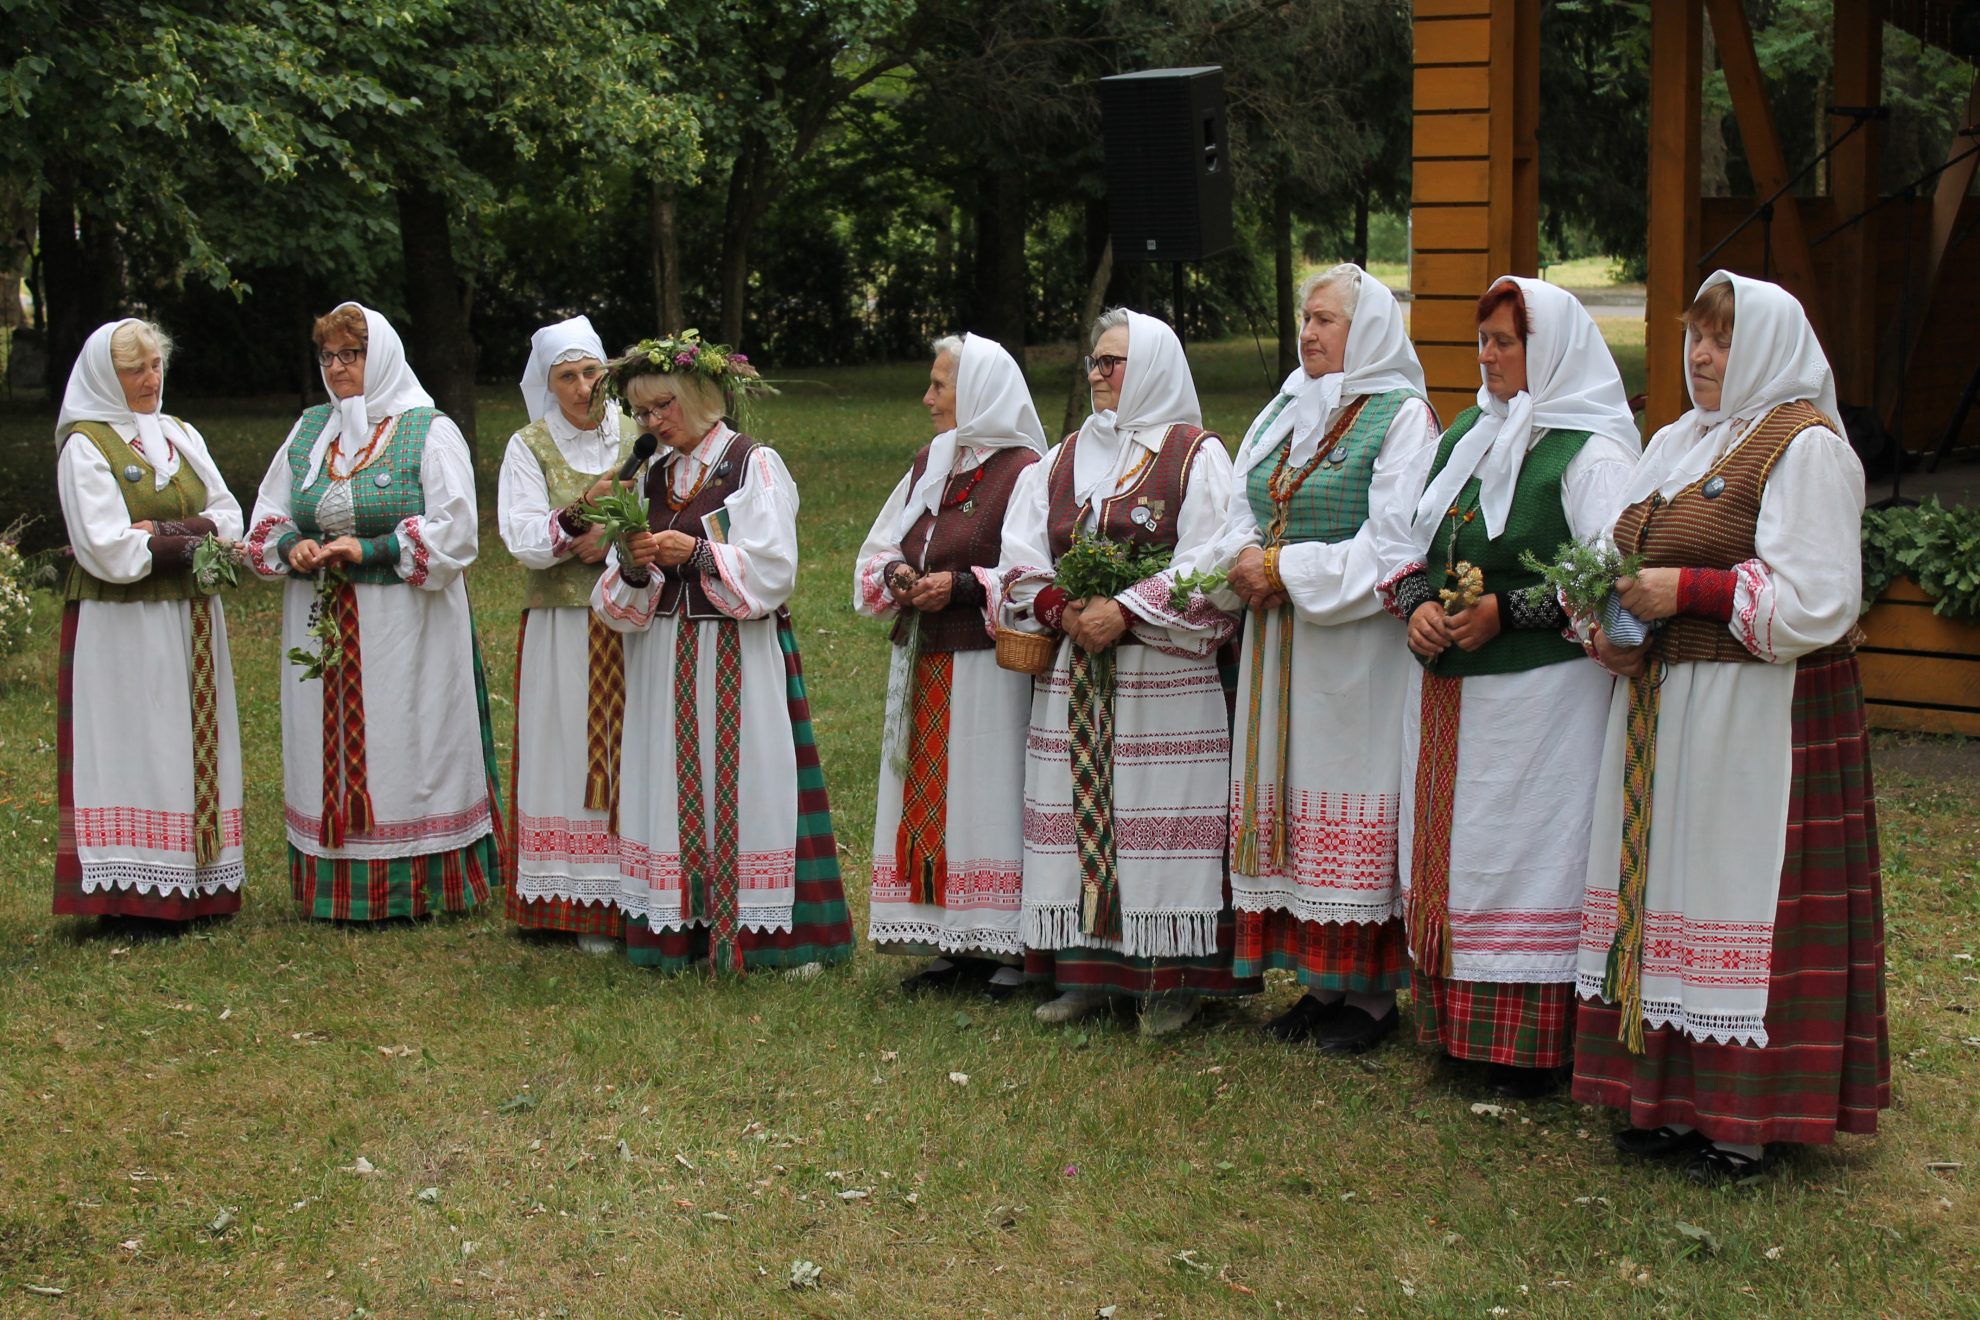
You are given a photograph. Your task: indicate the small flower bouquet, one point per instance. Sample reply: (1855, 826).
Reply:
(1094, 566)
(16, 606)
(322, 626)
(1470, 588)
(216, 564)
(1585, 576)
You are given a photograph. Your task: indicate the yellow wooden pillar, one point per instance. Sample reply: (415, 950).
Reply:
(1475, 178)
(1677, 52)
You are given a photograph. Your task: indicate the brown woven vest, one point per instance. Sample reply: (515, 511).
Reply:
(1160, 490)
(727, 478)
(1711, 524)
(959, 539)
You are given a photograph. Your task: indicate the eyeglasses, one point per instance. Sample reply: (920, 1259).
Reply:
(341, 356)
(1106, 365)
(648, 416)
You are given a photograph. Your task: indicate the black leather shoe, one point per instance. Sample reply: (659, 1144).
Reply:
(956, 975)
(1297, 1023)
(1522, 1083)
(1715, 1165)
(1658, 1143)
(1352, 1030)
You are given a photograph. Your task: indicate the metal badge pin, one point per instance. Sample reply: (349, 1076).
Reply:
(722, 468)
(1337, 455)
(382, 480)
(968, 507)
(1714, 488)
(1140, 516)
(133, 472)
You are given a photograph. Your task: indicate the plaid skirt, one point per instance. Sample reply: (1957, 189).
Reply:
(380, 888)
(1361, 957)
(1826, 1067)
(1105, 972)
(1521, 1024)
(821, 925)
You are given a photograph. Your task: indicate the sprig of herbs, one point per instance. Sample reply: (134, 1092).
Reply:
(216, 564)
(1188, 584)
(621, 513)
(1096, 566)
(1583, 574)
(322, 626)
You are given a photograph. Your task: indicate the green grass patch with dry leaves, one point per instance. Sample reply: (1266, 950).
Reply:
(277, 1118)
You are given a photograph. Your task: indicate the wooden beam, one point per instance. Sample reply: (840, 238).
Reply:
(1525, 198)
(1855, 173)
(1947, 198)
(1793, 267)
(1505, 93)
(1677, 52)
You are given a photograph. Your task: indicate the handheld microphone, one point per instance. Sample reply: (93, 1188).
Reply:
(642, 450)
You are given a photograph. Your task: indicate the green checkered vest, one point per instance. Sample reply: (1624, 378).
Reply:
(1332, 503)
(566, 585)
(1537, 522)
(379, 508)
(183, 497)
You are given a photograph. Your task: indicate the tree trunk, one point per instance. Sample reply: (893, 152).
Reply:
(1096, 292)
(748, 199)
(1287, 318)
(440, 350)
(1361, 231)
(666, 261)
(79, 279)
(1000, 272)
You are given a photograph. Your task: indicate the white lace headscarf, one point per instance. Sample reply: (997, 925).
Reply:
(95, 394)
(390, 387)
(1156, 392)
(566, 341)
(993, 410)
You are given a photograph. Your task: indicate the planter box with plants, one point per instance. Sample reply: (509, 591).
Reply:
(1921, 649)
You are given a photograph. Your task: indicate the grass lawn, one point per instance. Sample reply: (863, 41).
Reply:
(544, 1134)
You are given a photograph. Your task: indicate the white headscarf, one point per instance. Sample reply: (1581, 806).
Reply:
(95, 394)
(566, 341)
(390, 387)
(1775, 359)
(1378, 358)
(993, 411)
(1157, 392)
(1571, 385)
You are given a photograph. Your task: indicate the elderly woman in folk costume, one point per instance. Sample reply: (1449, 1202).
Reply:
(1501, 733)
(715, 694)
(1127, 762)
(1732, 950)
(388, 758)
(148, 747)
(949, 828)
(570, 668)
(1346, 445)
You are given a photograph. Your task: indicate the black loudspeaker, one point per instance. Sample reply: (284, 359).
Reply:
(1168, 164)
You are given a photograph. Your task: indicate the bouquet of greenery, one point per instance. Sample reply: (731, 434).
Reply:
(322, 626)
(620, 513)
(1187, 584)
(1094, 566)
(1584, 575)
(216, 564)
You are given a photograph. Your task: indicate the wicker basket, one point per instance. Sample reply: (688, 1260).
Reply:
(1025, 652)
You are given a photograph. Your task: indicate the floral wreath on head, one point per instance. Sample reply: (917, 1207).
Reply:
(680, 355)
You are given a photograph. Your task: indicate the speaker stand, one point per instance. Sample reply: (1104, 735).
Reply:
(1176, 304)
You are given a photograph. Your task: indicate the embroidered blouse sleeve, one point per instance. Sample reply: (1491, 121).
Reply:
(272, 527)
(523, 516)
(1332, 583)
(221, 506)
(870, 594)
(756, 567)
(1804, 590)
(100, 531)
(1199, 627)
(1024, 567)
(436, 545)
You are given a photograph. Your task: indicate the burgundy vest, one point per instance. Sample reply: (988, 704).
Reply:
(1159, 490)
(968, 534)
(683, 582)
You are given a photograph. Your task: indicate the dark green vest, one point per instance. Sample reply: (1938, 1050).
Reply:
(566, 585)
(183, 497)
(383, 495)
(1537, 522)
(1332, 503)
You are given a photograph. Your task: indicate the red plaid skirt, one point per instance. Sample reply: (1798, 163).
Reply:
(1365, 958)
(1826, 1067)
(1524, 1025)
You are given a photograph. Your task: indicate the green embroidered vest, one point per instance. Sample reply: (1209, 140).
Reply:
(1536, 522)
(384, 494)
(566, 585)
(183, 497)
(1332, 503)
